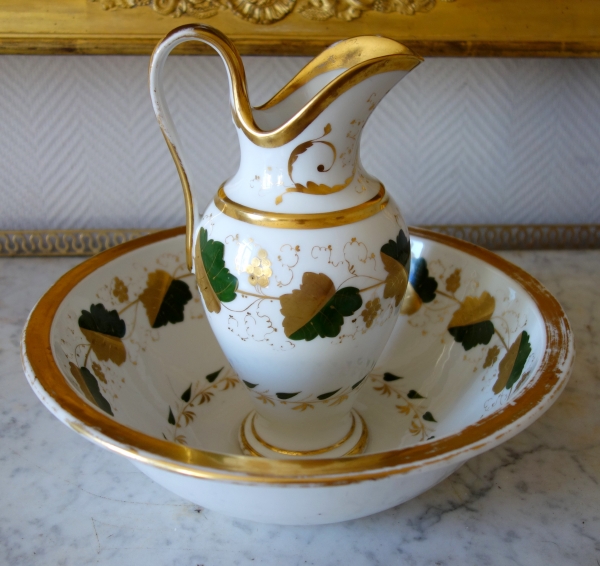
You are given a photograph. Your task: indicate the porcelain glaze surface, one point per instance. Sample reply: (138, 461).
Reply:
(314, 236)
(446, 387)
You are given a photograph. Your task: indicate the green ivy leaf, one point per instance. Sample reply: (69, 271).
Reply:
(212, 376)
(249, 385)
(324, 396)
(98, 319)
(424, 285)
(164, 298)
(391, 377)
(399, 250)
(92, 386)
(429, 417)
(421, 287)
(512, 364)
(216, 283)
(359, 382)
(284, 396)
(171, 418)
(412, 394)
(89, 387)
(104, 330)
(473, 334)
(327, 323)
(187, 394)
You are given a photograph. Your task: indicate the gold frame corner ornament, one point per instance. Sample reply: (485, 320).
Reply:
(463, 28)
(270, 11)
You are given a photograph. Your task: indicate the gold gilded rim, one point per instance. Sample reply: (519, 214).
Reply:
(360, 446)
(100, 428)
(362, 57)
(302, 221)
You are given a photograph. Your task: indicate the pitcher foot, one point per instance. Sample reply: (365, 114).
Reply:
(352, 443)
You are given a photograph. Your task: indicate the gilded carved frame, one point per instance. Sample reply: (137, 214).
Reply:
(521, 28)
(503, 28)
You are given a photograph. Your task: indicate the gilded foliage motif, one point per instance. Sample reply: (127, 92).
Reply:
(409, 404)
(214, 280)
(271, 11)
(316, 308)
(472, 323)
(300, 401)
(312, 188)
(106, 331)
(196, 395)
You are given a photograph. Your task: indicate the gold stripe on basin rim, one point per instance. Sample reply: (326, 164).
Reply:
(149, 450)
(302, 221)
(272, 448)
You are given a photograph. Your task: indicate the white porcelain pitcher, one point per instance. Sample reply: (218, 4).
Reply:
(302, 258)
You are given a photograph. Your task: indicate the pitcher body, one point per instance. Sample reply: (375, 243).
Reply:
(302, 258)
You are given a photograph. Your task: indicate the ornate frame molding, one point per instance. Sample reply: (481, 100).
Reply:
(31, 243)
(515, 28)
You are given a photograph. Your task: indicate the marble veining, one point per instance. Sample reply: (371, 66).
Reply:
(533, 500)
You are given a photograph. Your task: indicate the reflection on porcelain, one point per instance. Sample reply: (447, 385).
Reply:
(121, 351)
(302, 259)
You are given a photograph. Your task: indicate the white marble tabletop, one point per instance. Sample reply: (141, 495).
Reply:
(533, 500)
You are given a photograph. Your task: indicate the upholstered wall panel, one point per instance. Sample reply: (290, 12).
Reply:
(458, 141)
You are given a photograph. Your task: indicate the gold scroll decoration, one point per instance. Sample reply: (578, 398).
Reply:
(270, 11)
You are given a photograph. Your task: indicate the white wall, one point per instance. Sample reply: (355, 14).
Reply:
(458, 141)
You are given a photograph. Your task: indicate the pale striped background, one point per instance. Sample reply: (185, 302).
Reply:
(458, 141)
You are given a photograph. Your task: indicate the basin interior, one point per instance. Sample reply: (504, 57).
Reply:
(468, 341)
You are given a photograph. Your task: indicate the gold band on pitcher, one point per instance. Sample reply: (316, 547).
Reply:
(302, 221)
(358, 448)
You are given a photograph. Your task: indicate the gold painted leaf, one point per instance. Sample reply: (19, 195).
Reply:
(106, 347)
(512, 364)
(152, 297)
(312, 188)
(302, 305)
(397, 280)
(474, 310)
(104, 330)
(403, 409)
(412, 302)
(491, 357)
(214, 280)
(303, 406)
(120, 290)
(210, 297)
(76, 373)
(97, 369)
(89, 387)
(453, 281)
(338, 401)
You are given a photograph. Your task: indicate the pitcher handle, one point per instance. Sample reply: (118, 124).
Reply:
(237, 89)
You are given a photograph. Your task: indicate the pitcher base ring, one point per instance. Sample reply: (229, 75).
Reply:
(352, 443)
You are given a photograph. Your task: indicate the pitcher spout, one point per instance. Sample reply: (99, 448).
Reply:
(323, 81)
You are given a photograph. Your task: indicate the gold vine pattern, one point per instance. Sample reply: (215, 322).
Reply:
(270, 11)
(409, 404)
(317, 307)
(329, 399)
(473, 324)
(106, 330)
(196, 395)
